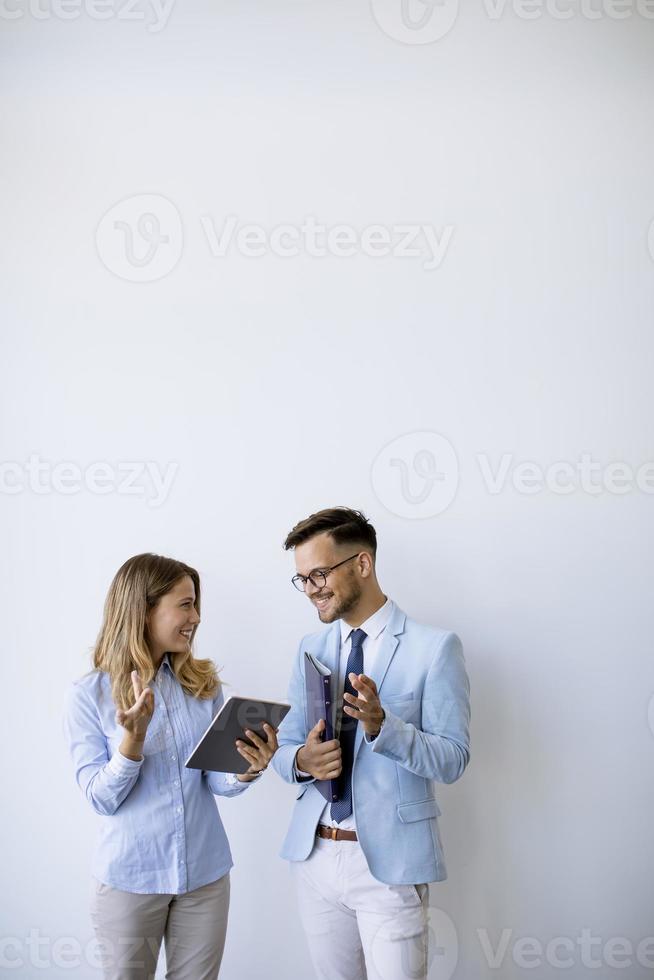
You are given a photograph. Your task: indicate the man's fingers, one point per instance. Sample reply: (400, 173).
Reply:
(354, 700)
(364, 685)
(331, 773)
(316, 731)
(328, 749)
(369, 681)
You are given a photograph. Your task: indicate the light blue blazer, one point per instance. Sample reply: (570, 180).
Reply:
(424, 690)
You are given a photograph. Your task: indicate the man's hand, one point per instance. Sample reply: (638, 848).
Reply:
(321, 759)
(367, 706)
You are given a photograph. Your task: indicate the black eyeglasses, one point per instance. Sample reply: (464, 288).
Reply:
(318, 577)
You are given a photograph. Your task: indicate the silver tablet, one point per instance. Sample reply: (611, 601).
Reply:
(216, 751)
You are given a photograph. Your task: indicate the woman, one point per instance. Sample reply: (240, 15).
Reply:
(161, 868)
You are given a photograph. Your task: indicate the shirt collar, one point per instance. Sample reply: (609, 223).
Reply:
(374, 625)
(165, 663)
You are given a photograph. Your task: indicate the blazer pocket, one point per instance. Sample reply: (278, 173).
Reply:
(393, 698)
(410, 812)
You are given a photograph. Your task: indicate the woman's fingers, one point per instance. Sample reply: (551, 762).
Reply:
(271, 733)
(261, 751)
(136, 684)
(250, 757)
(255, 739)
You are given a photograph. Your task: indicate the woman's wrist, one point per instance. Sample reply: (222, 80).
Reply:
(248, 777)
(132, 747)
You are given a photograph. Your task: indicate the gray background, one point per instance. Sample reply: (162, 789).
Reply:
(274, 383)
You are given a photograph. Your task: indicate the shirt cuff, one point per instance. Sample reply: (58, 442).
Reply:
(299, 774)
(120, 765)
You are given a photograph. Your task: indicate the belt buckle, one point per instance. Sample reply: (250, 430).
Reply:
(334, 833)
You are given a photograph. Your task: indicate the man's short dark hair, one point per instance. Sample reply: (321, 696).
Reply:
(344, 526)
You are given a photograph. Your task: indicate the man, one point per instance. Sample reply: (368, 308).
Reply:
(363, 863)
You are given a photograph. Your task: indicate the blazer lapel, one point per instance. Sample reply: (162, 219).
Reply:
(385, 654)
(330, 657)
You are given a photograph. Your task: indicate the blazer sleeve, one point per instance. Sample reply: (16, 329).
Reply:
(441, 749)
(105, 782)
(292, 732)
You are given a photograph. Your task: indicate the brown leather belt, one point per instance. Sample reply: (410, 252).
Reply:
(333, 833)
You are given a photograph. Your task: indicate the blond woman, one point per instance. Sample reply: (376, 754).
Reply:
(161, 867)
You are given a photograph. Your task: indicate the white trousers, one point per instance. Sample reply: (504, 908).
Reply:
(357, 927)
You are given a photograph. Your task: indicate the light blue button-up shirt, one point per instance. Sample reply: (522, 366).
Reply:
(160, 831)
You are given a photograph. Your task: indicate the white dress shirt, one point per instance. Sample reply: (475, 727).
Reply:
(374, 628)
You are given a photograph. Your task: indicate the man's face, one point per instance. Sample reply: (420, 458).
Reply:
(342, 590)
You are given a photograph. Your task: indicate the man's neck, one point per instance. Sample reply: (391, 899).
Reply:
(365, 609)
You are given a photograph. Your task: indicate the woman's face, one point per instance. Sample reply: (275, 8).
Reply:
(173, 621)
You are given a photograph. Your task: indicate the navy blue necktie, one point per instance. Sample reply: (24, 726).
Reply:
(343, 807)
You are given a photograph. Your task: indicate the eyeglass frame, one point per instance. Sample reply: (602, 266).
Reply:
(322, 571)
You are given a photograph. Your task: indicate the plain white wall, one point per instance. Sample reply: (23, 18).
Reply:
(524, 138)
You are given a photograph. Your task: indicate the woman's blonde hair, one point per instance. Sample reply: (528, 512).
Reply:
(122, 644)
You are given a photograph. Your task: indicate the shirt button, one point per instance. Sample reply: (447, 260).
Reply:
(179, 809)
(176, 783)
(173, 757)
(169, 731)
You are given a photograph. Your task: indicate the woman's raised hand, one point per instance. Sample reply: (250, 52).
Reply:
(137, 718)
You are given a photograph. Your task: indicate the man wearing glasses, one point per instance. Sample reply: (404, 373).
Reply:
(363, 863)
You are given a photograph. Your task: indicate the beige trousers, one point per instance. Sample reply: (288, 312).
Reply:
(130, 928)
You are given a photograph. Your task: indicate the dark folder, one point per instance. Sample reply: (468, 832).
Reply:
(319, 705)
